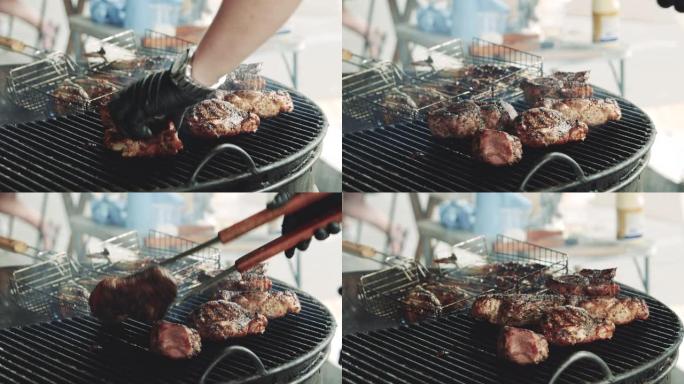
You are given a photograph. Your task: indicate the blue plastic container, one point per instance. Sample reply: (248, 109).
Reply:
(111, 12)
(158, 15)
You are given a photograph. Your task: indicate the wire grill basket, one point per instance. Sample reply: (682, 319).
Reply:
(383, 293)
(30, 285)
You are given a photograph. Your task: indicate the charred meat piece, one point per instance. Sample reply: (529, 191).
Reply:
(542, 127)
(214, 118)
(591, 111)
(264, 104)
(423, 96)
(560, 85)
(220, 320)
(568, 325)
(450, 294)
(174, 341)
(514, 309)
(497, 114)
(420, 304)
(144, 296)
(620, 311)
(497, 148)
(272, 304)
(522, 346)
(164, 140)
(69, 96)
(72, 299)
(251, 280)
(459, 120)
(253, 83)
(587, 283)
(396, 99)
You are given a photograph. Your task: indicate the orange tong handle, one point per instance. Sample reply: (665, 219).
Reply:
(12, 44)
(296, 203)
(13, 245)
(358, 249)
(288, 241)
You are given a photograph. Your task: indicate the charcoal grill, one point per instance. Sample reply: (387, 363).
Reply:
(406, 157)
(66, 154)
(82, 350)
(458, 349)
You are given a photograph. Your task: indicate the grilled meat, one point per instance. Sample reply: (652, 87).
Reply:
(164, 141)
(69, 95)
(219, 320)
(174, 341)
(591, 111)
(396, 99)
(272, 304)
(497, 148)
(423, 96)
(542, 127)
(459, 120)
(214, 118)
(100, 91)
(449, 294)
(71, 299)
(263, 104)
(568, 325)
(522, 346)
(514, 309)
(420, 304)
(144, 295)
(559, 85)
(620, 311)
(252, 280)
(497, 114)
(587, 283)
(253, 83)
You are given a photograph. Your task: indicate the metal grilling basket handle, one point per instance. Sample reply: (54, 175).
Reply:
(554, 156)
(232, 350)
(582, 355)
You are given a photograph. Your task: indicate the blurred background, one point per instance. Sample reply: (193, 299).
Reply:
(637, 52)
(640, 234)
(304, 54)
(78, 224)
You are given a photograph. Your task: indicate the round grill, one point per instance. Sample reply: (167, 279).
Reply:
(462, 350)
(81, 350)
(66, 154)
(406, 156)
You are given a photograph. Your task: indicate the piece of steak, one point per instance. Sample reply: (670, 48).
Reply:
(568, 325)
(174, 341)
(497, 148)
(220, 320)
(522, 346)
(164, 140)
(543, 127)
(215, 118)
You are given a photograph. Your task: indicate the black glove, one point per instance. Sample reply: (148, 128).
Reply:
(293, 221)
(158, 94)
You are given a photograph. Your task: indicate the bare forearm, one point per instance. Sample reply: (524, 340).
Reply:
(239, 28)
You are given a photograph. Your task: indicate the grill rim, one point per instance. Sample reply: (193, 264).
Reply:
(621, 377)
(618, 172)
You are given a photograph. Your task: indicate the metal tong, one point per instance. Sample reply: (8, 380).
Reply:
(272, 248)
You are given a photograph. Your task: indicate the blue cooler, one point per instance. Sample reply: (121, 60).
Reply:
(158, 15)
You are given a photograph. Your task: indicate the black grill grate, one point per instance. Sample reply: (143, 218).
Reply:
(66, 154)
(458, 349)
(80, 350)
(405, 157)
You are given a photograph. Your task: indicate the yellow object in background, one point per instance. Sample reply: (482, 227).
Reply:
(606, 20)
(630, 215)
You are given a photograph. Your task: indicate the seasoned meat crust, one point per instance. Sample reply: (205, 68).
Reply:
(265, 104)
(248, 281)
(174, 341)
(69, 95)
(214, 118)
(514, 309)
(542, 127)
(164, 142)
(559, 85)
(587, 283)
(497, 115)
(145, 296)
(219, 320)
(568, 325)
(591, 111)
(420, 304)
(71, 298)
(522, 346)
(272, 304)
(497, 148)
(459, 120)
(620, 311)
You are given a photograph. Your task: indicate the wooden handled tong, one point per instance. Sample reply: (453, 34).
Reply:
(329, 214)
(12, 245)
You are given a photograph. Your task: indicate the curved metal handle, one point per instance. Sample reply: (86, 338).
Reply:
(549, 157)
(224, 148)
(579, 356)
(260, 370)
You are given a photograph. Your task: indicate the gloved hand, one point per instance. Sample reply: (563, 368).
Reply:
(159, 94)
(293, 221)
